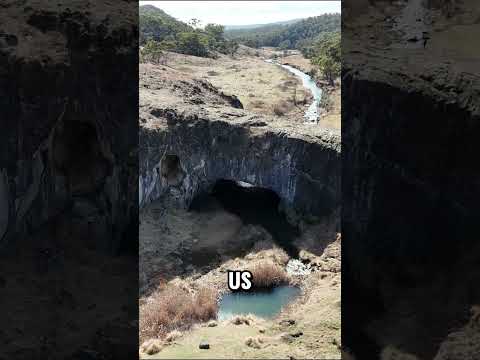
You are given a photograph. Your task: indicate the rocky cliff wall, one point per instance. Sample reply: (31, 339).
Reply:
(410, 189)
(69, 110)
(304, 171)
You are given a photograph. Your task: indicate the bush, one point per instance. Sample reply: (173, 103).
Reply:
(193, 43)
(254, 342)
(152, 52)
(242, 319)
(151, 347)
(267, 275)
(173, 308)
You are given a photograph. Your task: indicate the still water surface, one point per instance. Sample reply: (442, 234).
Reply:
(265, 304)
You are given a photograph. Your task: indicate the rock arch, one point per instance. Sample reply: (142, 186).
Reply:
(303, 171)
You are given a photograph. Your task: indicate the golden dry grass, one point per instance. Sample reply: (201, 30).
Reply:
(266, 275)
(173, 308)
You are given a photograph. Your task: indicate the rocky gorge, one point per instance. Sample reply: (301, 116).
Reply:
(221, 187)
(187, 151)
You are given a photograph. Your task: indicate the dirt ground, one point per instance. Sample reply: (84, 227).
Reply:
(260, 86)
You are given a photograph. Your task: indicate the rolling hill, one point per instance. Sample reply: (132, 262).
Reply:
(156, 24)
(288, 36)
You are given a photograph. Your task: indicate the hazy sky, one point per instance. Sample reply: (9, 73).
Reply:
(244, 12)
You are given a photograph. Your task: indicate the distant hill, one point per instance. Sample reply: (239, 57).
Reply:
(156, 24)
(288, 36)
(254, 26)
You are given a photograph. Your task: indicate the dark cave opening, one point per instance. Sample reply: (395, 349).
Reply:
(77, 154)
(171, 169)
(253, 205)
(81, 164)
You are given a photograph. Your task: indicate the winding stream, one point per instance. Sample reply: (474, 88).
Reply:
(311, 114)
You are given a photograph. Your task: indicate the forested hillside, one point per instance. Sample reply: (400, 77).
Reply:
(157, 25)
(161, 32)
(291, 36)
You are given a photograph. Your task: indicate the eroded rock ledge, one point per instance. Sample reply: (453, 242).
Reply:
(186, 154)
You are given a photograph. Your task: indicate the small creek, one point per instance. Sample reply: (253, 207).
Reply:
(311, 114)
(264, 304)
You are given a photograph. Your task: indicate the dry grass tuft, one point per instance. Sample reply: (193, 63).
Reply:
(173, 335)
(254, 342)
(151, 347)
(266, 275)
(174, 308)
(281, 108)
(242, 319)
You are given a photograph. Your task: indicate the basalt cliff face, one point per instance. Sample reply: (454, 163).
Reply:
(410, 180)
(185, 151)
(67, 147)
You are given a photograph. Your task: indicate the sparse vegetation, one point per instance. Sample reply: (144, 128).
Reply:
(173, 308)
(266, 275)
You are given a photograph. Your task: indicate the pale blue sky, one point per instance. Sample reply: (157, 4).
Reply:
(245, 12)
